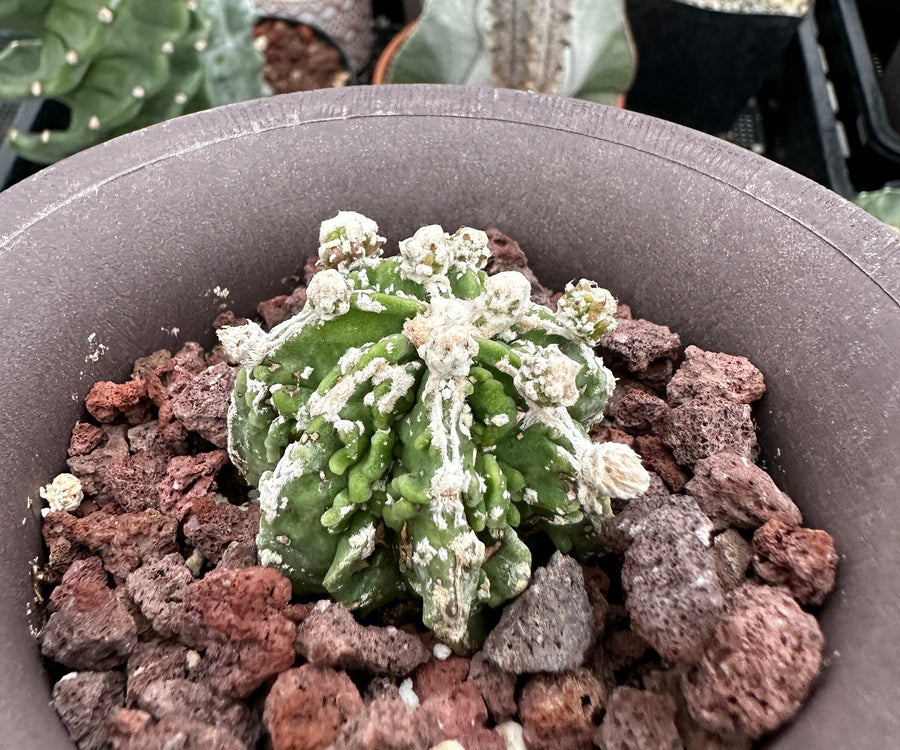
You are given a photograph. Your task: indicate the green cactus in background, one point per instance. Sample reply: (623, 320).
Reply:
(414, 417)
(579, 48)
(120, 65)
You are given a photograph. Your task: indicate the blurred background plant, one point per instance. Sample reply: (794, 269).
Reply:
(579, 48)
(119, 65)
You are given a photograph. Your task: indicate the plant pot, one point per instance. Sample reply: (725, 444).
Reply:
(736, 253)
(698, 67)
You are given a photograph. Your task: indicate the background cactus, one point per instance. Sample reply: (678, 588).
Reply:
(579, 48)
(414, 417)
(120, 66)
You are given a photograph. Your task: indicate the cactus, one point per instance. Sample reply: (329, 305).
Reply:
(579, 48)
(120, 66)
(415, 417)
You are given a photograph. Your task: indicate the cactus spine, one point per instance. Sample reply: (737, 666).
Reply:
(122, 65)
(414, 417)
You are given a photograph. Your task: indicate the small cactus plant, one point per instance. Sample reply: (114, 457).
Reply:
(418, 414)
(120, 66)
(579, 48)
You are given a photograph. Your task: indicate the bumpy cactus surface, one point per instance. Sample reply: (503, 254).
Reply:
(415, 417)
(122, 65)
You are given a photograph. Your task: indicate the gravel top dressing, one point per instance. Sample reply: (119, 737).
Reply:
(426, 502)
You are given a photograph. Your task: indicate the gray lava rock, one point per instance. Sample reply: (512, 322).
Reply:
(638, 719)
(707, 425)
(548, 628)
(715, 374)
(669, 572)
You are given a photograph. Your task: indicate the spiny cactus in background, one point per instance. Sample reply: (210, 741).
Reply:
(120, 66)
(413, 416)
(579, 48)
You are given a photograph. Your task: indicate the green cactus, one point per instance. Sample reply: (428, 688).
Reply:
(122, 65)
(414, 417)
(579, 48)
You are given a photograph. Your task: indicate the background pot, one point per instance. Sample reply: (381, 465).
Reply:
(119, 244)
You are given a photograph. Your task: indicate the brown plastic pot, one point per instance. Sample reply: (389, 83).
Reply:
(124, 243)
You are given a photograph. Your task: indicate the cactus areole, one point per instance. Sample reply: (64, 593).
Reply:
(415, 418)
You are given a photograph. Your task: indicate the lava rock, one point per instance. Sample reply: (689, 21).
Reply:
(213, 524)
(460, 714)
(548, 628)
(136, 730)
(282, 307)
(438, 676)
(388, 724)
(715, 374)
(562, 711)
(158, 588)
(107, 401)
(757, 667)
(506, 255)
(669, 572)
(733, 558)
(708, 425)
(92, 466)
(331, 636)
(637, 719)
(657, 458)
(649, 351)
(802, 560)
(639, 411)
(202, 405)
(497, 687)
(236, 619)
(188, 478)
(89, 628)
(85, 701)
(307, 706)
(733, 491)
(152, 661)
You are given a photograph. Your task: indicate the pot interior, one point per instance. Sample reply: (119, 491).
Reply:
(137, 244)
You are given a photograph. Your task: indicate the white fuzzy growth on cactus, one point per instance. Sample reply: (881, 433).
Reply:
(548, 378)
(328, 294)
(348, 240)
(444, 336)
(330, 404)
(588, 309)
(247, 344)
(507, 293)
(426, 255)
(470, 247)
(614, 470)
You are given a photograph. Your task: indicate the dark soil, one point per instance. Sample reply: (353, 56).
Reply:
(298, 58)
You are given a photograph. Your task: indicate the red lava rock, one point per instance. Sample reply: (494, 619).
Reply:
(611, 435)
(107, 401)
(85, 701)
(213, 524)
(497, 688)
(638, 411)
(623, 649)
(658, 459)
(307, 705)
(437, 676)
(596, 585)
(669, 572)
(707, 425)
(310, 268)
(562, 711)
(59, 533)
(548, 628)
(460, 715)
(733, 491)
(136, 730)
(647, 350)
(158, 588)
(89, 628)
(758, 666)
(152, 661)
(236, 617)
(388, 724)
(281, 308)
(506, 255)
(187, 478)
(804, 561)
(144, 366)
(715, 374)
(202, 405)
(171, 431)
(132, 479)
(145, 436)
(125, 541)
(91, 467)
(733, 557)
(181, 697)
(227, 318)
(331, 636)
(623, 312)
(637, 719)
(86, 437)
